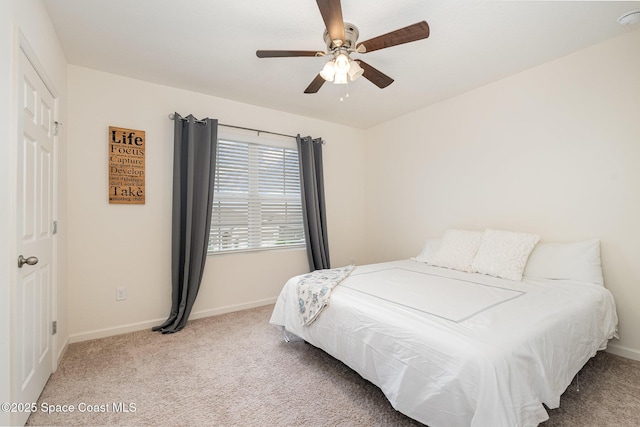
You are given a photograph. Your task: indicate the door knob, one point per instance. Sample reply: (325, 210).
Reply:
(32, 260)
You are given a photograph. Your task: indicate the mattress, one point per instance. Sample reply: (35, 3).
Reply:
(449, 348)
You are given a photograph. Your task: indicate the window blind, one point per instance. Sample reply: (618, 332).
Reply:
(256, 201)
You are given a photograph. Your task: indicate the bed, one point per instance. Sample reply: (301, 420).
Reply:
(460, 348)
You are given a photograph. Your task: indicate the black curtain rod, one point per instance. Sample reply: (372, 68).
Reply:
(173, 117)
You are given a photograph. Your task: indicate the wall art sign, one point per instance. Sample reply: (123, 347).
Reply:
(126, 166)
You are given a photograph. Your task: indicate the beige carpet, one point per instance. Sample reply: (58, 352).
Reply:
(235, 370)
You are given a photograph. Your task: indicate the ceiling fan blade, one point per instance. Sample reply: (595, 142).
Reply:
(331, 12)
(376, 77)
(408, 34)
(315, 85)
(286, 53)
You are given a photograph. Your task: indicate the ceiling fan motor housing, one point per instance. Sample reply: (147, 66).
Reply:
(351, 34)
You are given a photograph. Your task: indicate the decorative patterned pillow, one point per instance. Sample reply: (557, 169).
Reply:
(430, 247)
(457, 249)
(504, 253)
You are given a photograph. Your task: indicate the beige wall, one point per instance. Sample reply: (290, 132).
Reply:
(129, 245)
(554, 150)
(29, 18)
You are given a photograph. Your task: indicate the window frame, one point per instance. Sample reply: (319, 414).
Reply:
(254, 239)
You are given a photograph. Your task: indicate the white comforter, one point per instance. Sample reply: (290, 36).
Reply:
(475, 351)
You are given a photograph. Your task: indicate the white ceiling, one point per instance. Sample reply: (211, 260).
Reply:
(209, 46)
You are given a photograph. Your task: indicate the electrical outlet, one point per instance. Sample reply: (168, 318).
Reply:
(121, 294)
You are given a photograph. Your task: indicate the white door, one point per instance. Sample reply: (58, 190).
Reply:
(32, 354)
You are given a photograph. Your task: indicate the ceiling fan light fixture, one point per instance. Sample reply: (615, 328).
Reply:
(328, 71)
(355, 71)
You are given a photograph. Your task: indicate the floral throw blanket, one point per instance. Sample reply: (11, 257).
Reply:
(314, 290)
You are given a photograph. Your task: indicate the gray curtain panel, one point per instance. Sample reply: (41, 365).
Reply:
(194, 160)
(313, 206)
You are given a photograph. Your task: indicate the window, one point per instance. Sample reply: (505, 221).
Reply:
(256, 199)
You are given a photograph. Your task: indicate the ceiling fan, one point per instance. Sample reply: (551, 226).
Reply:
(341, 38)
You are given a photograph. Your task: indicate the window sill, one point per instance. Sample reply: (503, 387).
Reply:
(254, 250)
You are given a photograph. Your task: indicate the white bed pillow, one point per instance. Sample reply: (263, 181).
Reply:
(429, 248)
(457, 249)
(567, 261)
(504, 253)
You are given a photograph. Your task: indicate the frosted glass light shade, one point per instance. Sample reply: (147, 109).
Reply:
(340, 79)
(328, 71)
(355, 70)
(342, 63)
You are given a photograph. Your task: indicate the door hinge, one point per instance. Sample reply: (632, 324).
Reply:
(54, 327)
(56, 128)
(55, 227)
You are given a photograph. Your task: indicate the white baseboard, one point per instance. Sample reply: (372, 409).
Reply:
(108, 332)
(132, 327)
(623, 351)
(61, 353)
(232, 308)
